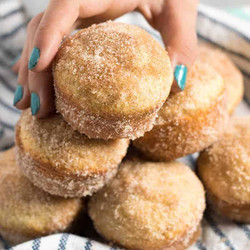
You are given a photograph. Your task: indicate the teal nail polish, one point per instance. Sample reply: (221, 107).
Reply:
(180, 75)
(15, 60)
(18, 94)
(35, 103)
(34, 57)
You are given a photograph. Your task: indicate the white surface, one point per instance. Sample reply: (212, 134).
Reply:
(33, 7)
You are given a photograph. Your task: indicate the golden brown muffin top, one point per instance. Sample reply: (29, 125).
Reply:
(27, 210)
(225, 67)
(52, 141)
(225, 166)
(204, 87)
(149, 205)
(113, 68)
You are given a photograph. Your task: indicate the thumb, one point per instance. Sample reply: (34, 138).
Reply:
(178, 31)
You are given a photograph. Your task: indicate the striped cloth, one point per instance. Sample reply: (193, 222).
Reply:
(224, 29)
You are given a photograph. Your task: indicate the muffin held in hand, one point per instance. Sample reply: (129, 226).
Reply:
(150, 206)
(190, 120)
(62, 161)
(233, 78)
(224, 168)
(110, 80)
(27, 212)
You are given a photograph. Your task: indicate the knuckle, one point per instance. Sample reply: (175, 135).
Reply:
(33, 23)
(42, 29)
(45, 28)
(30, 24)
(188, 53)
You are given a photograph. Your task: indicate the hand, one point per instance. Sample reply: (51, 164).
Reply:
(175, 19)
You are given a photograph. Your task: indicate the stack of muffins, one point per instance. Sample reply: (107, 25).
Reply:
(112, 84)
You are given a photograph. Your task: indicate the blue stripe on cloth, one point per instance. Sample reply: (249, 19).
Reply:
(11, 53)
(217, 230)
(20, 9)
(63, 241)
(4, 65)
(200, 245)
(245, 229)
(7, 125)
(6, 84)
(225, 26)
(1, 132)
(247, 101)
(246, 74)
(224, 48)
(88, 245)
(36, 244)
(11, 33)
(4, 242)
(9, 107)
(192, 160)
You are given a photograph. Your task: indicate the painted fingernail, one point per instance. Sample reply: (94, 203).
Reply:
(35, 103)
(15, 60)
(180, 75)
(18, 94)
(34, 57)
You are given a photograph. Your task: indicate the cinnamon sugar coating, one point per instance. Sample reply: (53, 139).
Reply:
(110, 80)
(232, 76)
(224, 168)
(62, 161)
(27, 212)
(190, 120)
(150, 206)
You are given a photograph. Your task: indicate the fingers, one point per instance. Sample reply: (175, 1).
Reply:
(177, 25)
(178, 30)
(22, 93)
(179, 36)
(57, 21)
(54, 24)
(16, 66)
(40, 84)
(45, 33)
(42, 93)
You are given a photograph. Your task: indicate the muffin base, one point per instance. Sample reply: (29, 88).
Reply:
(239, 213)
(14, 238)
(188, 240)
(105, 127)
(177, 137)
(61, 184)
(184, 242)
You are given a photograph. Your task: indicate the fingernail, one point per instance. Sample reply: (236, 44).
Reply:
(34, 57)
(180, 75)
(18, 94)
(35, 103)
(15, 59)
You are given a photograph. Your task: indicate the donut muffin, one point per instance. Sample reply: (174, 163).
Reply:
(224, 168)
(150, 206)
(62, 161)
(27, 212)
(110, 80)
(230, 73)
(190, 120)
